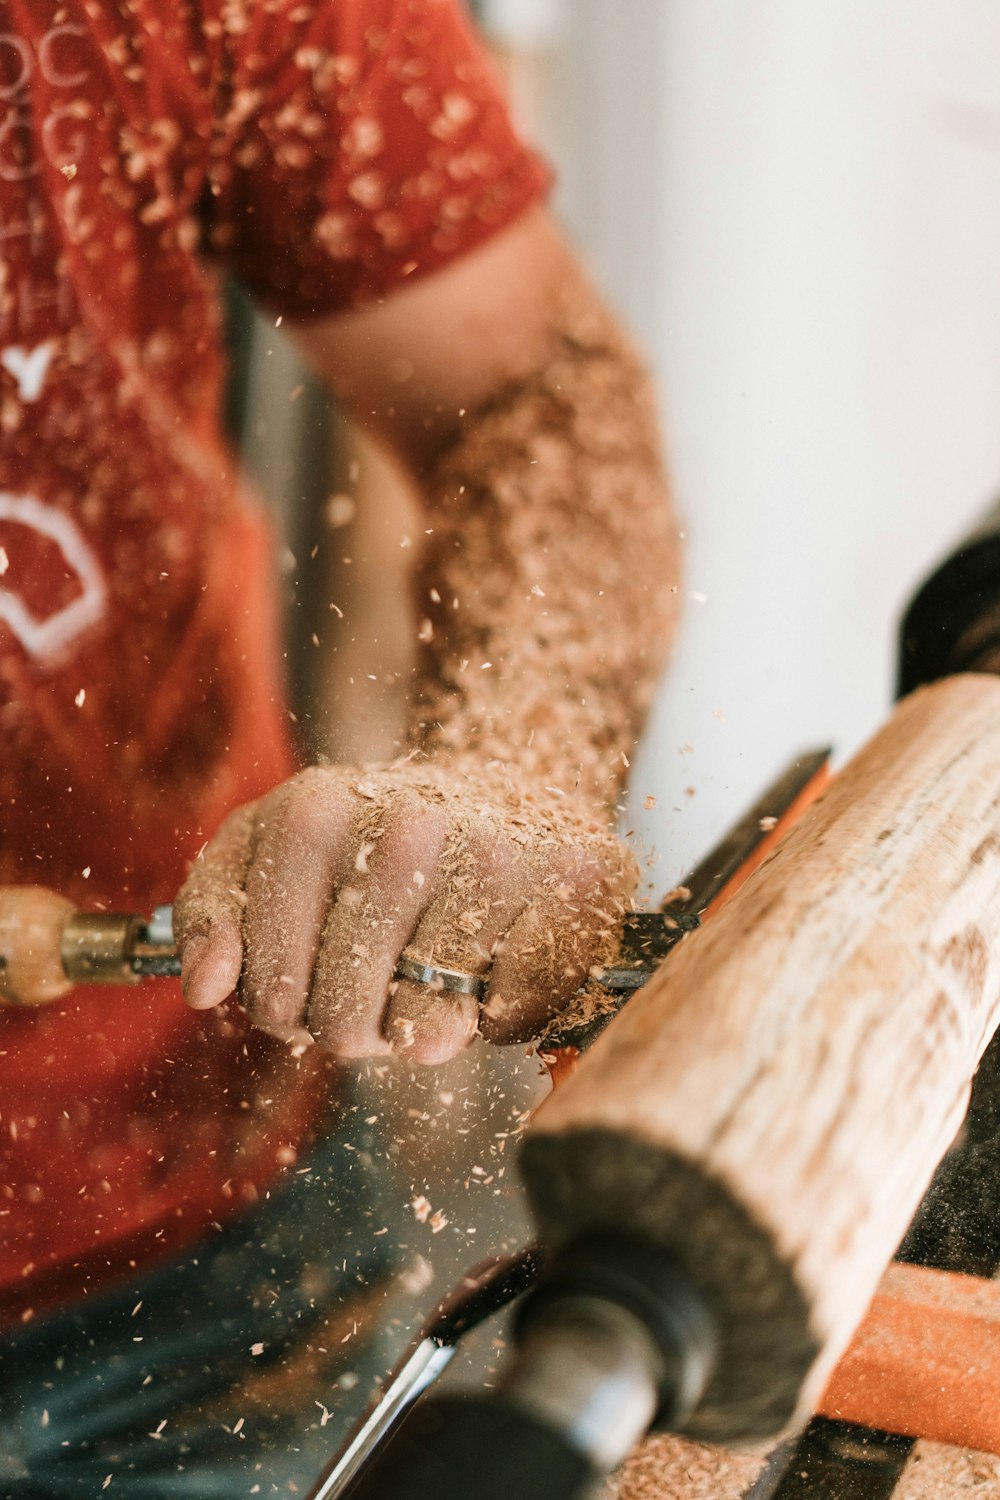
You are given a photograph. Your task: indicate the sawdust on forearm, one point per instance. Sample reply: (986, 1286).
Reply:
(547, 591)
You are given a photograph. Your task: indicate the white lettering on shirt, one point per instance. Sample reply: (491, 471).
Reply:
(46, 638)
(29, 367)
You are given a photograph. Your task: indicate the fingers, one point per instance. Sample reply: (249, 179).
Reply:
(303, 849)
(428, 1024)
(307, 899)
(460, 930)
(545, 958)
(208, 915)
(397, 874)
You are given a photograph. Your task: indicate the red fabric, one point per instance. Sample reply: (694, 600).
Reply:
(325, 150)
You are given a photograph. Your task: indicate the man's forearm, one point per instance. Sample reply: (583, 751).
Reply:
(547, 591)
(545, 599)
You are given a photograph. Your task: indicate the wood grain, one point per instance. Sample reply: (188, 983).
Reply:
(772, 1105)
(936, 1472)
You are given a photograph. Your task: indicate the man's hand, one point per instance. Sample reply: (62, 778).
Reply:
(305, 900)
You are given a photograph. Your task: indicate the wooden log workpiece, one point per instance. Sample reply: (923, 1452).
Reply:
(772, 1105)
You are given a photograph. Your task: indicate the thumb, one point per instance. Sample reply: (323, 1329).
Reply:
(208, 914)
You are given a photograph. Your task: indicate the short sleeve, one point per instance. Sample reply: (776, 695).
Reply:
(358, 143)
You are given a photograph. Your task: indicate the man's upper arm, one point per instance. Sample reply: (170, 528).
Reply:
(411, 366)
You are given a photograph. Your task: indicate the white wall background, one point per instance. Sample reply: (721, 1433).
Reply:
(796, 205)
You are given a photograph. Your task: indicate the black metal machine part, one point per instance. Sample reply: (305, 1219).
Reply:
(612, 1338)
(646, 1283)
(954, 618)
(834, 1461)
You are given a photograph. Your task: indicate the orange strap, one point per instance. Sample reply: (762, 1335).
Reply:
(925, 1361)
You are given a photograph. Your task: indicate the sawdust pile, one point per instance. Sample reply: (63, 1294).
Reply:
(936, 1472)
(668, 1468)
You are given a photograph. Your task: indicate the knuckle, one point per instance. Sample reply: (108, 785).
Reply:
(428, 1042)
(427, 1052)
(305, 810)
(268, 1008)
(348, 1043)
(411, 808)
(429, 1028)
(329, 1037)
(413, 829)
(264, 1019)
(316, 781)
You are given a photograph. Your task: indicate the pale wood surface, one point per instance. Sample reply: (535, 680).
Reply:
(772, 1105)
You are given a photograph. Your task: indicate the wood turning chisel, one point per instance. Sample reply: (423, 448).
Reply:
(47, 946)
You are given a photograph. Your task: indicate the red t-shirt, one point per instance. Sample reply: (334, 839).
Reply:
(324, 151)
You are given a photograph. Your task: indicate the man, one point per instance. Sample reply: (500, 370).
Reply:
(353, 163)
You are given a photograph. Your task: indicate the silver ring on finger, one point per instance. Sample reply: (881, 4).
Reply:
(452, 980)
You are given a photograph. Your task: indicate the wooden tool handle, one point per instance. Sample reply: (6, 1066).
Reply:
(31, 928)
(772, 1105)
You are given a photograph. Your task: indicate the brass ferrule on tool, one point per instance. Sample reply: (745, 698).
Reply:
(46, 947)
(98, 947)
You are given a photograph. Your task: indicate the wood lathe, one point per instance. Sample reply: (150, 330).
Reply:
(844, 1101)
